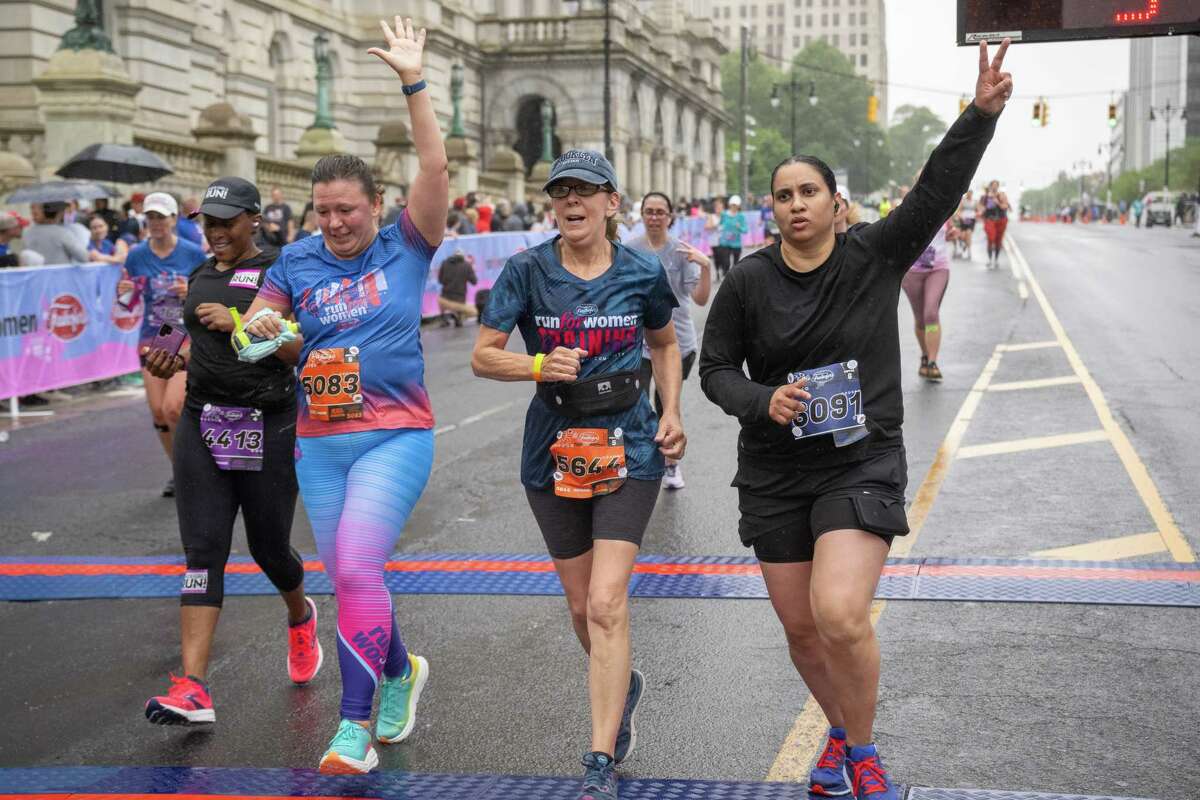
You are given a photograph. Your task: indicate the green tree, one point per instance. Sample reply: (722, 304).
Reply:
(827, 130)
(914, 133)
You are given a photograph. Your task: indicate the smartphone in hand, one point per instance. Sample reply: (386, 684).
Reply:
(168, 338)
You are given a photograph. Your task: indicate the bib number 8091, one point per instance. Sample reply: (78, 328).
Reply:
(843, 405)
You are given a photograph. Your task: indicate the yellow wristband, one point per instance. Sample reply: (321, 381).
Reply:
(537, 366)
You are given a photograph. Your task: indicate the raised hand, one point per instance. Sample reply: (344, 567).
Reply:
(404, 49)
(993, 88)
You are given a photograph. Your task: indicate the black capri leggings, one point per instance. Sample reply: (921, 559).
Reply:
(208, 499)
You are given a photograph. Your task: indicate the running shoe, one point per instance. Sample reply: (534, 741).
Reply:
(600, 781)
(871, 780)
(186, 703)
(829, 777)
(933, 373)
(350, 751)
(673, 479)
(923, 370)
(305, 656)
(398, 702)
(627, 733)
(169, 489)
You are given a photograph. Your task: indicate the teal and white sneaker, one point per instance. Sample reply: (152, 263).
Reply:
(398, 702)
(350, 751)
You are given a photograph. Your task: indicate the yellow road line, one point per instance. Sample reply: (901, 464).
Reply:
(1013, 348)
(1139, 544)
(1040, 383)
(807, 735)
(1142, 482)
(1032, 443)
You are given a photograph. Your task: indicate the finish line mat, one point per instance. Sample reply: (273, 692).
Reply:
(209, 783)
(730, 577)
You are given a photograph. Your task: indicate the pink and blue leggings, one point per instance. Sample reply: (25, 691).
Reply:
(358, 490)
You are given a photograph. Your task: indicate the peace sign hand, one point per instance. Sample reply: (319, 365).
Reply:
(693, 255)
(994, 87)
(404, 49)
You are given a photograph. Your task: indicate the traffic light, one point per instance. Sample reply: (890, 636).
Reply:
(872, 109)
(963, 102)
(1037, 113)
(1112, 115)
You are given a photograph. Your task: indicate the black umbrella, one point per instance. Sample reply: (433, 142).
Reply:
(59, 192)
(120, 163)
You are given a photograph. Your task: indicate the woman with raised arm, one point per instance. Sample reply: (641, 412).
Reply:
(821, 463)
(364, 445)
(593, 452)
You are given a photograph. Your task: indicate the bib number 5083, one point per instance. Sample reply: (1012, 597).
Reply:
(337, 383)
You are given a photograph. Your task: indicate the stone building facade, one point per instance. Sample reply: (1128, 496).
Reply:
(218, 85)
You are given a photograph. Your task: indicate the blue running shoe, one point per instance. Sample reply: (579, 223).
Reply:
(871, 780)
(600, 780)
(350, 751)
(398, 702)
(829, 777)
(627, 733)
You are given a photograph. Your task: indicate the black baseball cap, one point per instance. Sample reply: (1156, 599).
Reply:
(225, 198)
(586, 165)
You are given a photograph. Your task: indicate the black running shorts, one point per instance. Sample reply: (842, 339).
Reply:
(783, 514)
(569, 526)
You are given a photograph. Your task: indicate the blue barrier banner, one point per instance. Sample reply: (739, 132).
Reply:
(62, 325)
(486, 252)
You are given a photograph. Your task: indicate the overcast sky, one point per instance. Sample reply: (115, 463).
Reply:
(922, 53)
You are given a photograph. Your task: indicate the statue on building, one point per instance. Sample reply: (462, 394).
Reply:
(88, 33)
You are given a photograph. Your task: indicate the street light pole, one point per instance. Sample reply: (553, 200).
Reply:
(608, 151)
(744, 162)
(1166, 111)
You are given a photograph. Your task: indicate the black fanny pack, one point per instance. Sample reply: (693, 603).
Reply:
(604, 394)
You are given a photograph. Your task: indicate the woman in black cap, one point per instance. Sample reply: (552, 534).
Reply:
(821, 463)
(593, 450)
(233, 449)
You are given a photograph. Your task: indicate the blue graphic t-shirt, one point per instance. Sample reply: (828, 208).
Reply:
(372, 302)
(154, 278)
(606, 316)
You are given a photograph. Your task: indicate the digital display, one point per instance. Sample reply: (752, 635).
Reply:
(1060, 20)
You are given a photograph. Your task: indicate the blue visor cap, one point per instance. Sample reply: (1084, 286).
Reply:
(584, 165)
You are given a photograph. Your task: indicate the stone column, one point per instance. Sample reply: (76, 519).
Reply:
(658, 172)
(506, 165)
(463, 156)
(541, 170)
(395, 156)
(220, 126)
(85, 93)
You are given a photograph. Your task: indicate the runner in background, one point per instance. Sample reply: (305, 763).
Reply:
(234, 450)
(817, 390)
(732, 228)
(966, 213)
(993, 207)
(592, 457)
(925, 285)
(364, 446)
(157, 271)
(690, 274)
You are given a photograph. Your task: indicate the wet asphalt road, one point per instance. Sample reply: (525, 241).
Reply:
(1090, 699)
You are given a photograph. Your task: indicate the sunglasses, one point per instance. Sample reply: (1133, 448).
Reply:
(655, 212)
(560, 190)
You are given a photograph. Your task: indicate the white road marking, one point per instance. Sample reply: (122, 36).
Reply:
(471, 420)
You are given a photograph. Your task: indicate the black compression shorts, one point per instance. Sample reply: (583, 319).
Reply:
(569, 526)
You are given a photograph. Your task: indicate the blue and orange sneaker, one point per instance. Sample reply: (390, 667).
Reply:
(600, 781)
(627, 733)
(304, 650)
(829, 777)
(871, 780)
(350, 751)
(186, 703)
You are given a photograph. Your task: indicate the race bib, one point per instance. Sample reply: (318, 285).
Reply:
(588, 462)
(234, 436)
(333, 384)
(836, 405)
(164, 308)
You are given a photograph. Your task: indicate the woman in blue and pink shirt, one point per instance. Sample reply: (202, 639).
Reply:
(364, 445)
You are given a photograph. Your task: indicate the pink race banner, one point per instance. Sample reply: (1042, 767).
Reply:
(486, 252)
(62, 326)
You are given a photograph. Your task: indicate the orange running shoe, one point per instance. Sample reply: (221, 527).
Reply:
(187, 703)
(304, 649)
